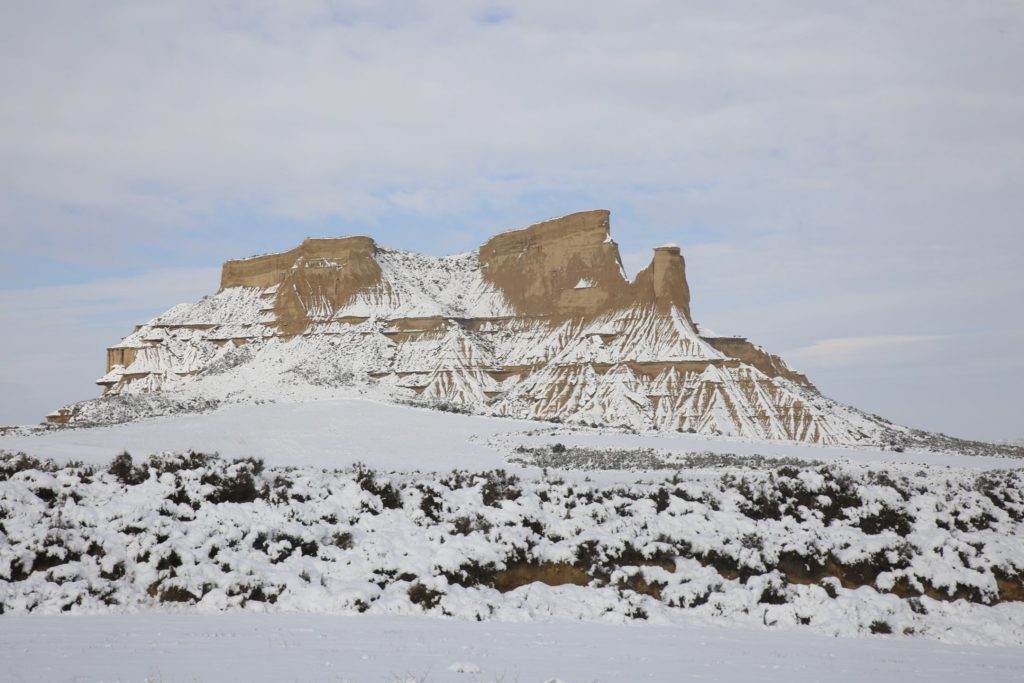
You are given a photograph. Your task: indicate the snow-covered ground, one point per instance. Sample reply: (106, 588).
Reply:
(162, 648)
(337, 433)
(334, 433)
(136, 524)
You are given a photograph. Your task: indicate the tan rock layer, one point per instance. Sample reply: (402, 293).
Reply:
(538, 269)
(271, 269)
(769, 364)
(562, 268)
(120, 355)
(315, 279)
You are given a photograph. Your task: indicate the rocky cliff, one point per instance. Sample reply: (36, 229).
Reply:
(538, 323)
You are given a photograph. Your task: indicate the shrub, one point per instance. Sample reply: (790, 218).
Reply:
(176, 462)
(125, 471)
(390, 497)
(888, 519)
(423, 596)
(342, 539)
(11, 464)
(235, 483)
(430, 504)
(466, 525)
(499, 485)
(880, 627)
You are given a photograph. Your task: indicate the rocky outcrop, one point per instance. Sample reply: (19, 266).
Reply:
(540, 322)
(570, 267)
(311, 281)
(562, 268)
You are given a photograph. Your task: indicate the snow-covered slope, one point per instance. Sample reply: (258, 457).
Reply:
(540, 323)
(341, 432)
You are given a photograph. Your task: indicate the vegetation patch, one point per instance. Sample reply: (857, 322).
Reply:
(766, 542)
(560, 456)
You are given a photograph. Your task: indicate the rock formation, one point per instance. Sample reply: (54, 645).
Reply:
(538, 323)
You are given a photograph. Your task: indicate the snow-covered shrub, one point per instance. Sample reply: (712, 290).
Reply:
(560, 456)
(388, 495)
(124, 470)
(120, 408)
(835, 547)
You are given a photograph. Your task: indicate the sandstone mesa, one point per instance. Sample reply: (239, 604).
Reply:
(538, 323)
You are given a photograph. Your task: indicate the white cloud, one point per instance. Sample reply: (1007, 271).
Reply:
(857, 350)
(53, 346)
(360, 109)
(829, 168)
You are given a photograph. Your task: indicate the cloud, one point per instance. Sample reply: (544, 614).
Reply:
(856, 350)
(351, 110)
(828, 168)
(53, 349)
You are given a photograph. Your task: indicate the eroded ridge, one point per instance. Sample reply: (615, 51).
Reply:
(538, 323)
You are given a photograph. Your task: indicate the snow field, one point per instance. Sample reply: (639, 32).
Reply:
(840, 549)
(303, 648)
(339, 432)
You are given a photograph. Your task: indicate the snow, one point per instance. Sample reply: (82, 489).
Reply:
(535, 632)
(227, 348)
(302, 647)
(339, 432)
(274, 584)
(180, 529)
(705, 331)
(333, 433)
(454, 363)
(419, 286)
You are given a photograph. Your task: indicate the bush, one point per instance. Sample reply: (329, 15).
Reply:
(390, 497)
(237, 484)
(342, 539)
(177, 462)
(887, 519)
(11, 464)
(423, 596)
(880, 627)
(499, 485)
(430, 504)
(124, 470)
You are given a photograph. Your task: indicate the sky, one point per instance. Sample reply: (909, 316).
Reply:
(846, 179)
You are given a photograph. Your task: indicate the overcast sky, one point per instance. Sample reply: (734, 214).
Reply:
(846, 179)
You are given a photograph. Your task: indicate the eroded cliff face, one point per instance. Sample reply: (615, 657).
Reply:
(310, 282)
(538, 323)
(562, 268)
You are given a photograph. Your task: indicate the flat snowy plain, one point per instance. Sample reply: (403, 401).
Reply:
(337, 433)
(294, 647)
(181, 646)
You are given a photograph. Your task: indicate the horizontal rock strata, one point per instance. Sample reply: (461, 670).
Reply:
(538, 323)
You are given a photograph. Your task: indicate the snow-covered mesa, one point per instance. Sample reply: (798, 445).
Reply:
(540, 323)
